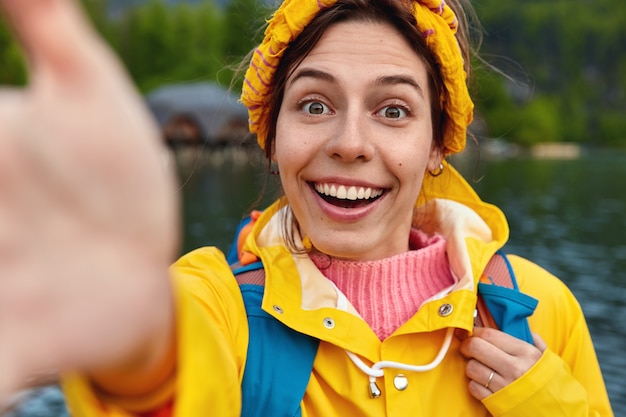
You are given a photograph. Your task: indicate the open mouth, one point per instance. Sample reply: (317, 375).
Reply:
(347, 196)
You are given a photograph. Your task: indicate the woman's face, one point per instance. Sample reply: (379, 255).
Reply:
(353, 141)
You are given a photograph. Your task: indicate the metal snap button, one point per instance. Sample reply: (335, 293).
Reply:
(329, 323)
(445, 310)
(277, 309)
(401, 382)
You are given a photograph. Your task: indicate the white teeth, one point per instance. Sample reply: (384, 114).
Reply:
(352, 193)
(349, 193)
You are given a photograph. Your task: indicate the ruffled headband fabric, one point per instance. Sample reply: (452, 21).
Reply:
(435, 19)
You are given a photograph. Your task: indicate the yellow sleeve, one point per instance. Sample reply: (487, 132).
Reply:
(568, 376)
(212, 339)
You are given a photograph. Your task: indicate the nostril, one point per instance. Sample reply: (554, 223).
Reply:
(349, 144)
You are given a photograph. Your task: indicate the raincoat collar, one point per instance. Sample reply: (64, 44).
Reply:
(474, 231)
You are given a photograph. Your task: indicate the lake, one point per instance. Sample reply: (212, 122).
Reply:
(566, 215)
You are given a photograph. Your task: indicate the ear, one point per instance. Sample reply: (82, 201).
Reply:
(436, 156)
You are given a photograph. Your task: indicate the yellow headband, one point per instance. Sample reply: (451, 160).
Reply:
(435, 20)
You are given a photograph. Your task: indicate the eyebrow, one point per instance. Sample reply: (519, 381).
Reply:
(380, 81)
(313, 73)
(400, 79)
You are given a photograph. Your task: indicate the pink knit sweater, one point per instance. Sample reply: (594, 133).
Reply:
(387, 292)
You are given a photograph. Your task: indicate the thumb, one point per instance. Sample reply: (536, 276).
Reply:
(54, 34)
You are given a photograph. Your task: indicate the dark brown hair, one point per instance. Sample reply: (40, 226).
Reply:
(397, 13)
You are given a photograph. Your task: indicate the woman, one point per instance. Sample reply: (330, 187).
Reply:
(375, 250)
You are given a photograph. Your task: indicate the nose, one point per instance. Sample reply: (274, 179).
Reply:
(350, 141)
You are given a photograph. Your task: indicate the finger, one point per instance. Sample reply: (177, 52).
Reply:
(484, 343)
(510, 344)
(507, 355)
(539, 342)
(53, 33)
(478, 349)
(484, 377)
(479, 391)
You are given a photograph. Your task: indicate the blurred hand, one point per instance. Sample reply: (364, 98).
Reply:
(88, 210)
(496, 359)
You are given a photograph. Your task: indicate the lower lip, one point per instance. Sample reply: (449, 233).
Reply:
(345, 215)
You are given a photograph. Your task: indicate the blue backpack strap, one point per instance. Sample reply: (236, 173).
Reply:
(501, 301)
(279, 360)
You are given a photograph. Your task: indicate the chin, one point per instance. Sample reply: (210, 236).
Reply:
(339, 251)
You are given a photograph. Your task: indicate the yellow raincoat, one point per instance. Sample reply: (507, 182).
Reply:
(213, 334)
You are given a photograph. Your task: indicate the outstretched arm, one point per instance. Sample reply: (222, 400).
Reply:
(88, 211)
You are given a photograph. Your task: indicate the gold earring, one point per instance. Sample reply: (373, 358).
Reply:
(438, 172)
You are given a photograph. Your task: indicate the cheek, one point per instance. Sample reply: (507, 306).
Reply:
(410, 170)
(287, 154)
(412, 161)
(415, 181)
(281, 142)
(292, 146)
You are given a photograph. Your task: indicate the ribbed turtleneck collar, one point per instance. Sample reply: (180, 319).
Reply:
(387, 292)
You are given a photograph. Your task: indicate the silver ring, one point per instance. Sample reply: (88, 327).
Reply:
(489, 380)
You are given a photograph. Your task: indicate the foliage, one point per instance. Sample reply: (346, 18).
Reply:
(539, 122)
(12, 69)
(242, 30)
(161, 44)
(565, 69)
(571, 54)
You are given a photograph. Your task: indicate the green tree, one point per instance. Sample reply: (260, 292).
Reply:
(145, 41)
(12, 65)
(98, 12)
(571, 50)
(163, 44)
(242, 23)
(198, 34)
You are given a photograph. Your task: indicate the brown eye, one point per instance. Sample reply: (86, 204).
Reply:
(393, 112)
(315, 107)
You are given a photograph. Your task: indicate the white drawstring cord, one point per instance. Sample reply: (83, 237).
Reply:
(376, 370)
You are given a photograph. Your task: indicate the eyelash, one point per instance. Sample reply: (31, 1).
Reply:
(302, 104)
(405, 109)
(307, 101)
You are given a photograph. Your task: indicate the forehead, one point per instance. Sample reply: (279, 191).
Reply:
(364, 47)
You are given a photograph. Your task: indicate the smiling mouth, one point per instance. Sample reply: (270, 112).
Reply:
(347, 196)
